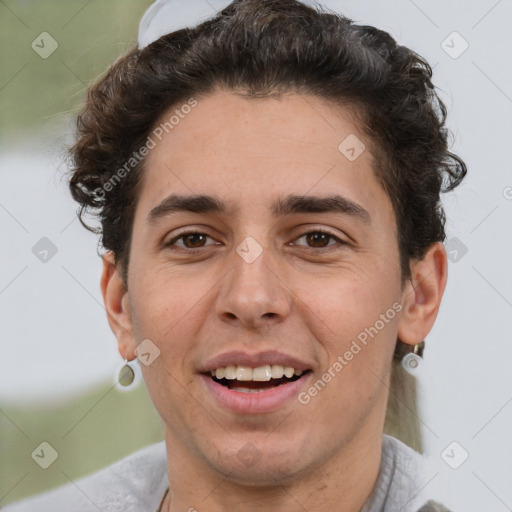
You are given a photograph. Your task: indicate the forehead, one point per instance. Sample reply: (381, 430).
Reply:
(250, 150)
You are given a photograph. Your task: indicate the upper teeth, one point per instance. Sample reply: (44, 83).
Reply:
(260, 374)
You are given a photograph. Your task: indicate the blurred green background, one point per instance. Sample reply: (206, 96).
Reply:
(38, 96)
(90, 34)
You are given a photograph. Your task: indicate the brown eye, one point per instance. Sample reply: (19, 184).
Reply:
(319, 240)
(191, 240)
(194, 240)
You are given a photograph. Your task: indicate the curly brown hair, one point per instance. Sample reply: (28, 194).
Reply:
(265, 48)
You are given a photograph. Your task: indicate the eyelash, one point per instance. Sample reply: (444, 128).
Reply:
(339, 241)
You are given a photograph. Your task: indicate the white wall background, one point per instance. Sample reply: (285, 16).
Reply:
(55, 339)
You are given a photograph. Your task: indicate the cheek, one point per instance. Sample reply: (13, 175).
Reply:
(164, 308)
(349, 301)
(163, 301)
(355, 318)
(167, 312)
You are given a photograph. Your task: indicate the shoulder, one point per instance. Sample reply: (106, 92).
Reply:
(134, 483)
(401, 484)
(403, 468)
(402, 458)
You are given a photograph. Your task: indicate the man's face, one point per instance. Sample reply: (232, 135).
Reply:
(267, 283)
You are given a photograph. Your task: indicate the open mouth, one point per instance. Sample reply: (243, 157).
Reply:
(255, 380)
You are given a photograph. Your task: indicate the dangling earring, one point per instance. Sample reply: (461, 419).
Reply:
(411, 357)
(126, 375)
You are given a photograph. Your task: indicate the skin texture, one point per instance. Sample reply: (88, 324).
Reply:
(307, 297)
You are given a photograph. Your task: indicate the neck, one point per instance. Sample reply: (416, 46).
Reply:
(342, 484)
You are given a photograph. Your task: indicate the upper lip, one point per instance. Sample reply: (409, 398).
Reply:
(241, 358)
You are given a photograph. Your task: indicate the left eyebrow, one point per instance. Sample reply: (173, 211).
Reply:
(292, 204)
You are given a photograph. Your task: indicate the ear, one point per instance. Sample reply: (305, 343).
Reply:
(115, 297)
(422, 295)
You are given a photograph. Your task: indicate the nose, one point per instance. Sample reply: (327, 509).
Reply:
(254, 294)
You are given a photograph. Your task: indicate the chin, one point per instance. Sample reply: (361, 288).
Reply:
(266, 466)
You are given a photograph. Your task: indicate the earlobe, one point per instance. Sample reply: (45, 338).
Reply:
(422, 295)
(115, 298)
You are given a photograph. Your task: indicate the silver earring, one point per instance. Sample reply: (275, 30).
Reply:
(414, 358)
(126, 375)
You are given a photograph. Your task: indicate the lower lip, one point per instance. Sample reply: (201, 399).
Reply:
(254, 403)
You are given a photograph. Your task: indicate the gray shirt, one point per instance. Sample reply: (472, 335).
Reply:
(138, 482)
(401, 486)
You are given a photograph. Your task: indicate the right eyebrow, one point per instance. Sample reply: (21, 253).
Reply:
(181, 203)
